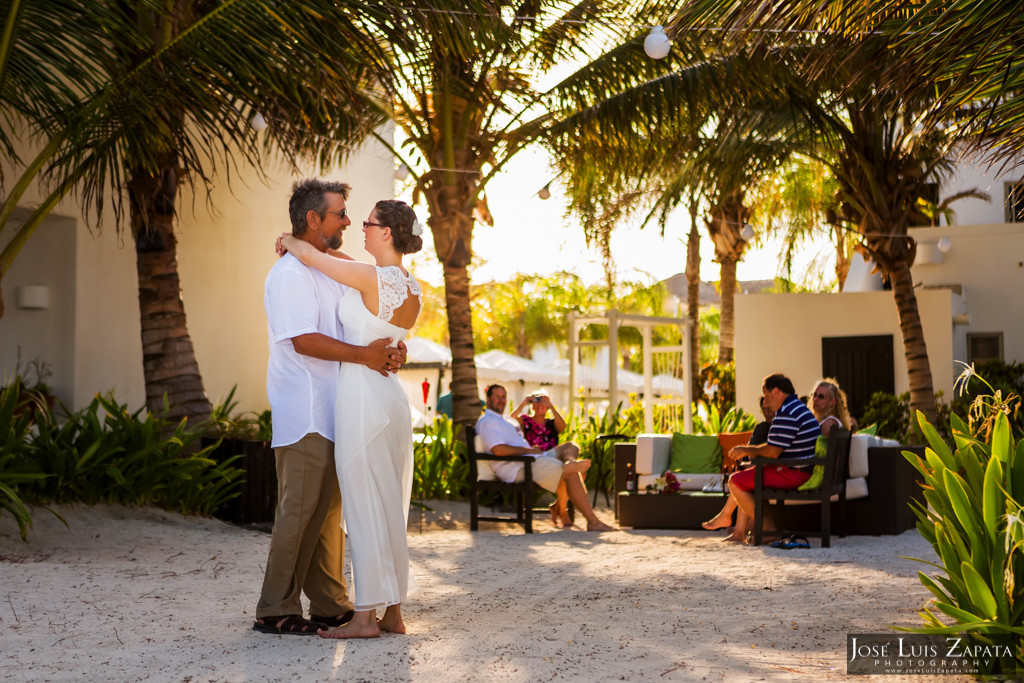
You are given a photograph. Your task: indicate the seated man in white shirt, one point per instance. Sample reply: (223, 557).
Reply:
(502, 437)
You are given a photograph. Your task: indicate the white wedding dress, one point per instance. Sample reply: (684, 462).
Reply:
(373, 450)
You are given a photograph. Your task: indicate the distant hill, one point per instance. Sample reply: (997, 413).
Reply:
(676, 286)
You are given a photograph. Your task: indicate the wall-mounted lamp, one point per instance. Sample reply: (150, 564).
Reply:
(657, 44)
(33, 297)
(258, 122)
(945, 245)
(747, 233)
(545, 192)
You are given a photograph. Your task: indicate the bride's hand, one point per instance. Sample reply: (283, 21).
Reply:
(279, 244)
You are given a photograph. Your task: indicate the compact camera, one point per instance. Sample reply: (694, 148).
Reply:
(535, 399)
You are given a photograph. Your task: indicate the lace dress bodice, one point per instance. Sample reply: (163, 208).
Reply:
(393, 288)
(362, 327)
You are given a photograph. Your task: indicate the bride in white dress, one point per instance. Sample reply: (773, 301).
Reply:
(373, 447)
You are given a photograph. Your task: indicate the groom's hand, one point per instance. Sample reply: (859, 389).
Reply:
(378, 356)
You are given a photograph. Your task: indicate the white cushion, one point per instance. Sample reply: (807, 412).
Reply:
(697, 482)
(652, 454)
(855, 488)
(483, 467)
(859, 445)
(645, 480)
(888, 443)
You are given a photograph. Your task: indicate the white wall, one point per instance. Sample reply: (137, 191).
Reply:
(972, 174)
(783, 332)
(224, 253)
(987, 261)
(41, 334)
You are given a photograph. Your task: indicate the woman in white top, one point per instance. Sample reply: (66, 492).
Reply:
(373, 426)
(828, 403)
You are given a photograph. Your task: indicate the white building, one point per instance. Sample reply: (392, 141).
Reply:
(969, 280)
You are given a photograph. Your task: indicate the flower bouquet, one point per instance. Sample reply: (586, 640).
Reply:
(666, 484)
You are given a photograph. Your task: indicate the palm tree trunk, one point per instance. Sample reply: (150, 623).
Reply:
(168, 358)
(922, 395)
(842, 257)
(465, 396)
(451, 224)
(693, 296)
(727, 330)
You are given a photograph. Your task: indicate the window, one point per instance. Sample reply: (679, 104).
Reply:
(1014, 201)
(984, 346)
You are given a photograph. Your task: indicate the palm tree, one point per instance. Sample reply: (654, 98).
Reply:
(962, 56)
(462, 77)
(660, 156)
(161, 94)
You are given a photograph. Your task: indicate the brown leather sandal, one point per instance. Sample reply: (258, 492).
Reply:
(288, 625)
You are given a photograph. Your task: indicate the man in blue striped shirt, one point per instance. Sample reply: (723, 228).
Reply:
(792, 434)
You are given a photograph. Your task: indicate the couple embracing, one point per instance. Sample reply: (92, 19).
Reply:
(339, 435)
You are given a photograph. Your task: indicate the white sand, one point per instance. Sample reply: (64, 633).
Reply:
(141, 594)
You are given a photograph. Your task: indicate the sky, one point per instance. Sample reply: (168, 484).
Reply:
(531, 235)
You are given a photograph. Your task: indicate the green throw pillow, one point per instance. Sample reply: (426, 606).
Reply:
(820, 451)
(695, 454)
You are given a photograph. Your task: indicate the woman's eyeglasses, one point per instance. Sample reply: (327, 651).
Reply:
(367, 224)
(821, 396)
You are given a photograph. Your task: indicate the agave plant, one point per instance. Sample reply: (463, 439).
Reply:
(974, 522)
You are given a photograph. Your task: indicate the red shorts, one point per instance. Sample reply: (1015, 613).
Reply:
(774, 478)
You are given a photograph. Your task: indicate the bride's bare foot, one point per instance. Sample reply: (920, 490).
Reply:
(391, 625)
(577, 466)
(353, 630)
(716, 523)
(599, 526)
(735, 538)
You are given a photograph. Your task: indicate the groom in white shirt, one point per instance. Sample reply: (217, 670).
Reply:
(307, 546)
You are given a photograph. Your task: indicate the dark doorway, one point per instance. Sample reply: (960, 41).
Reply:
(863, 365)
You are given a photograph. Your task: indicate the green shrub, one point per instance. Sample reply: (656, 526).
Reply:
(225, 422)
(16, 468)
(711, 421)
(440, 470)
(892, 416)
(973, 519)
(107, 454)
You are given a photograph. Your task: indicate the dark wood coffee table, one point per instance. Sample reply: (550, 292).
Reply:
(674, 511)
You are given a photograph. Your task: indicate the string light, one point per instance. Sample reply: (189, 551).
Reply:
(657, 45)
(545, 192)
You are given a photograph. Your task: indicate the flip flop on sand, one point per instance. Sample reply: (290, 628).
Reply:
(289, 624)
(790, 542)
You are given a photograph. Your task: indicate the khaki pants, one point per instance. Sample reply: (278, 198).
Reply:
(307, 546)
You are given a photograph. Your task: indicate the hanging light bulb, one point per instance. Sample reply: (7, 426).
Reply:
(945, 245)
(258, 122)
(747, 233)
(544, 192)
(401, 173)
(657, 44)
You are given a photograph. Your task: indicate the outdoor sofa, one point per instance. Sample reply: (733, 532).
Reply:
(880, 486)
